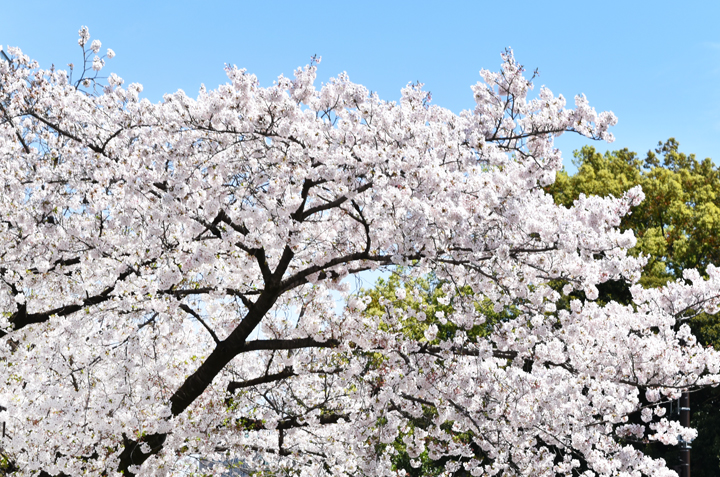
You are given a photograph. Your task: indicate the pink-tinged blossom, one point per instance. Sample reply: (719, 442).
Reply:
(97, 63)
(84, 34)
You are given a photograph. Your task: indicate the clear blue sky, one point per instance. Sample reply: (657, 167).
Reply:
(655, 64)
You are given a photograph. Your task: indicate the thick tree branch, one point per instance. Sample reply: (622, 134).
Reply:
(224, 217)
(268, 378)
(298, 343)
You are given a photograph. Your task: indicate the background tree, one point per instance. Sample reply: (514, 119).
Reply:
(165, 278)
(677, 227)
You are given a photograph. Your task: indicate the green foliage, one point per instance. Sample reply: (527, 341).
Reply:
(426, 298)
(6, 466)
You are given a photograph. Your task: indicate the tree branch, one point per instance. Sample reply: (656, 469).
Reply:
(334, 203)
(268, 378)
(21, 318)
(289, 423)
(192, 312)
(297, 343)
(62, 132)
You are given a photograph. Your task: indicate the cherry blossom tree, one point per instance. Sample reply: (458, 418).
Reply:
(166, 276)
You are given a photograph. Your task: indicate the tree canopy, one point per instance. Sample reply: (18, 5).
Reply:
(166, 275)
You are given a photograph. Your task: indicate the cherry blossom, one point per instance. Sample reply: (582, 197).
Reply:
(168, 270)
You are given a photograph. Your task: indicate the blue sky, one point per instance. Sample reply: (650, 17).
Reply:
(657, 68)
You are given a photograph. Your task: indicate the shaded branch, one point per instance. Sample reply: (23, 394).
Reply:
(289, 423)
(435, 350)
(268, 378)
(297, 343)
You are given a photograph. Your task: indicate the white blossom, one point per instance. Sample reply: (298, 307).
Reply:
(84, 34)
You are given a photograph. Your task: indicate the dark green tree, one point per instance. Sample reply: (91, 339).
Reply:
(678, 224)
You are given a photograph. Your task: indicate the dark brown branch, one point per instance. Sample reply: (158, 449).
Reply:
(187, 291)
(424, 402)
(300, 278)
(19, 136)
(223, 217)
(62, 132)
(212, 227)
(268, 378)
(361, 218)
(22, 318)
(282, 265)
(132, 454)
(298, 343)
(267, 274)
(289, 423)
(307, 185)
(183, 292)
(110, 138)
(224, 352)
(435, 350)
(248, 304)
